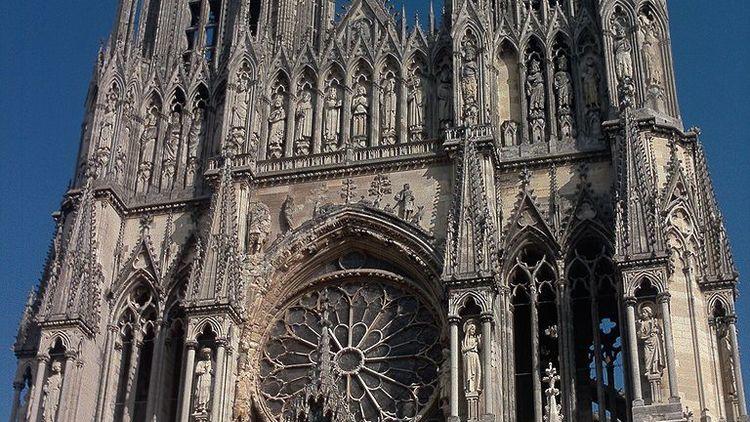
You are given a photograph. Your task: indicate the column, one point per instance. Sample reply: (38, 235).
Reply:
(535, 364)
(674, 394)
(732, 331)
(154, 384)
(635, 366)
(104, 390)
(17, 387)
(41, 371)
(66, 393)
(487, 362)
(187, 385)
(218, 386)
(453, 321)
(132, 382)
(717, 366)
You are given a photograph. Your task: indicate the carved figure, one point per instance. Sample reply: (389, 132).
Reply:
(650, 334)
(360, 112)
(288, 210)
(564, 90)
(416, 106)
(472, 365)
(304, 130)
(332, 126)
(51, 393)
(242, 101)
(203, 379)
(651, 52)
(108, 121)
(537, 98)
(173, 140)
(258, 227)
(196, 133)
(277, 131)
(623, 57)
(148, 137)
(445, 95)
(591, 82)
(405, 203)
(470, 71)
(388, 101)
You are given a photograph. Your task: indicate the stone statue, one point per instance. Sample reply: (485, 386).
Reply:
(277, 129)
(332, 126)
(288, 209)
(203, 379)
(470, 72)
(388, 101)
(195, 135)
(445, 95)
(591, 82)
(650, 334)
(304, 129)
(650, 45)
(173, 140)
(148, 137)
(405, 203)
(416, 106)
(537, 98)
(623, 57)
(51, 392)
(564, 90)
(258, 227)
(108, 120)
(360, 111)
(472, 365)
(242, 101)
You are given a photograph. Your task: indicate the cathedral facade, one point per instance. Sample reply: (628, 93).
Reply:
(316, 210)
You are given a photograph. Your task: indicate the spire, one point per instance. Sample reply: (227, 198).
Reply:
(432, 17)
(403, 21)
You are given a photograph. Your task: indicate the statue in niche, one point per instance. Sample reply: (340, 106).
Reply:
(591, 82)
(650, 334)
(650, 45)
(470, 72)
(388, 101)
(108, 120)
(242, 101)
(416, 106)
(360, 111)
(148, 142)
(203, 379)
(564, 90)
(196, 133)
(258, 227)
(472, 365)
(536, 95)
(332, 125)
(304, 130)
(277, 129)
(118, 171)
(405, 203)
(623, 57)
(173, 141)
(445, 95)
(51, 392)
(726, 353)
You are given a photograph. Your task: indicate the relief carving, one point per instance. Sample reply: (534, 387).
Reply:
(258, 227)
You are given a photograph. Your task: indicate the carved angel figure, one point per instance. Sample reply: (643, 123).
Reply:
(204, 373)
(51, 393)
(472, 364)
(650, 334)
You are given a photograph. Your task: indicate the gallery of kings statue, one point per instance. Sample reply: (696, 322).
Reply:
(319, 210)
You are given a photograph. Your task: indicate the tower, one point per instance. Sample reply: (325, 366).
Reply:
(318, 210)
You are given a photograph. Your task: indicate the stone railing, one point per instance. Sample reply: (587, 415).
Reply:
(345, 156)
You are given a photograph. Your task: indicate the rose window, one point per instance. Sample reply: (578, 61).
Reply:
(383, 348)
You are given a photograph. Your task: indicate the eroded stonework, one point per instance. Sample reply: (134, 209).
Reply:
(309, 210)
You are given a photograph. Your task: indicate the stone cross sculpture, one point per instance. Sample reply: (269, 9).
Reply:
(51, 393)
(204, 373)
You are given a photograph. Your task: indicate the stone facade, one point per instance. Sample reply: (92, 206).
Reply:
(298, 210)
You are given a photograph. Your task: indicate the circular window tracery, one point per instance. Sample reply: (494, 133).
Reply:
(384, 350)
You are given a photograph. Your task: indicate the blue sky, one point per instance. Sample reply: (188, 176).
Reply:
(47, 50)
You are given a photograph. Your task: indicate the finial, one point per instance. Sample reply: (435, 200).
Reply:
(432, 17)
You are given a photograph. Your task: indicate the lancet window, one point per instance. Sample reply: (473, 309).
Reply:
(536, 329)
(202, 31)
(134, 349)
(596, 328)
